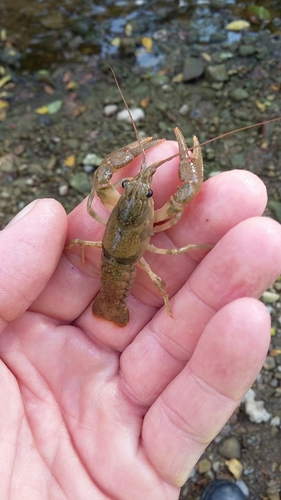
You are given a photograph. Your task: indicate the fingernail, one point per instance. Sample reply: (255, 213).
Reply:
(23, 212)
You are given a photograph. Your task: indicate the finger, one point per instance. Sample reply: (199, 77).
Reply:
(30, 248)
(198, 402)
(175, 270)
(243, 264)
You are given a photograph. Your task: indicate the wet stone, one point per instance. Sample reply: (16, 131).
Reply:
(10, 56)
(247, 50)
(239, 94)
(193, 68)
(216, 73)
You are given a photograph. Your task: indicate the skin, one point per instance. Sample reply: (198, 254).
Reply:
(89, 410)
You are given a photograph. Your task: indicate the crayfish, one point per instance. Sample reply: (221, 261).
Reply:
(133, 220)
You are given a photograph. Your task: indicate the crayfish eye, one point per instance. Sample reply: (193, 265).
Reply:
(149, 193)
(125, 183)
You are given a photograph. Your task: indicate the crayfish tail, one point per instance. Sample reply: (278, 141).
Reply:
(119, 315)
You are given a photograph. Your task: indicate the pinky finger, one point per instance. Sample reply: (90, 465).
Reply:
(197, 403)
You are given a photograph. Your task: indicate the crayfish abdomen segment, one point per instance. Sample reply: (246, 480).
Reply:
(116, 283)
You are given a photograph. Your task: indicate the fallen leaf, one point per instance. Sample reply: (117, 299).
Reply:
(260, 105)
(54, 107)
(66, 77)
(4, 80)
(42, 111)
(79, 110)
(235, 467)
(48, 89)
(147, 43)
(178, 78)
(69, 161)
(275, 87)
(3, 115)
(206, 56)
(128, 29)
(72, 85)
(237, 25)
(3, 104)
(144, 102)
(115, 42)
(261, 13)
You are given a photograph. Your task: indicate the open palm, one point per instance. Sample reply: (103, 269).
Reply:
(93, 411)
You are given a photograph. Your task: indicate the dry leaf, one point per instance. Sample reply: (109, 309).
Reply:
(237, 25)
(69, 161)
(144, 102)
(42, 111)
(115, 42)
(4, 104)
(4, 80)
(178, 78)
(66, 77)
(72, 85)
(128, 29)
(260, 106)
(235, 467)
(48, 89)
(147, 43)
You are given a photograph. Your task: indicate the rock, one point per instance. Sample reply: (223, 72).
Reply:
(247, 50)
(204, 466)
(63, 190)
(269, 363)
(255, 409)
(216, 73)
(239, 94)
(110, 109)
(92, 159)
(53, 21)
(230, 448)
(184, 109)
(193, 68)
(80, 182)
(10, 56)
(270, 297)
(137, 114)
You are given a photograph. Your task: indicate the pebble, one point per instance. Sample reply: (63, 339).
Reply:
(110, 109)
(270, 297)
(184, 109)
(275, 421)
(137, 114)
(243, 487)
(216, 73)
(63, 190)
(193, 68)
(92, 159)
(204, 466)
(239, 94)
(80, 182)
(255, 409)
(88, 169)
(230, 448)
(247, 50)
(269, 363)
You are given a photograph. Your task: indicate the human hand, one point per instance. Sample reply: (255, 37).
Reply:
(90, 410)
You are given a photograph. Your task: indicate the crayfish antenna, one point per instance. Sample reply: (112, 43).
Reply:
(144, 162)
